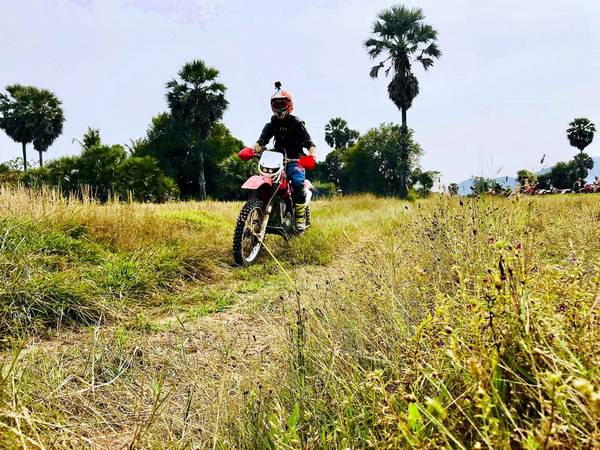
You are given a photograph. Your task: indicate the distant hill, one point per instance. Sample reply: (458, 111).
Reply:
(464, 187)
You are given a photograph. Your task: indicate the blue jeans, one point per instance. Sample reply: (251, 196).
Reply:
(296, 175)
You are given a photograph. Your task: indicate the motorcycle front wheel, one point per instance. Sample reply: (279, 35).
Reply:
(247, 241)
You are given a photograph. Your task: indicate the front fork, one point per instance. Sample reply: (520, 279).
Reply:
(265, 221)
(267, 213)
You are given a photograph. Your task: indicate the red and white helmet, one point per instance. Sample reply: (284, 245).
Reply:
(281, 102)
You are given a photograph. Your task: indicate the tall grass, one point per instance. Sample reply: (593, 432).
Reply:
(463, 324)
(66, 261)
(445, 323)
(178, 378)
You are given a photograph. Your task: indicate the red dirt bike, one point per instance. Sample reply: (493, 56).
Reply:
(270, 208)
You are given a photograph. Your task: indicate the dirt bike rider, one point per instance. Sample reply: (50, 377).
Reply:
(290, 138)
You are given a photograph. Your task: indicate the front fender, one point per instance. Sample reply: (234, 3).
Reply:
(256, 181)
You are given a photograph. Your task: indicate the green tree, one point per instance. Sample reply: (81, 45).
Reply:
(401, 38)
(164, 142)
(581, 134)
(338, 135)
(453, 189)
(62, 173)
(374, 163)
(220, 145)
(320, 173)
(423, 180)
(16, 117)
(47, 122)
(65, 173)
(481, 185)
(90, 138)
(29, 114)
(10, 172)
(196, 101)
(102, 170)
(564, 175)
(524, 174)
(97, 168)
(234, 172)
(334, 164)
(560, 176)
(360, 171)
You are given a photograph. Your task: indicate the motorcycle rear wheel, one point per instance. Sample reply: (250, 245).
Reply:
(246, 240)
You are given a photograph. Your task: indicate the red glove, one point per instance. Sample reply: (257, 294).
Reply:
(246, 154)
(308, 162)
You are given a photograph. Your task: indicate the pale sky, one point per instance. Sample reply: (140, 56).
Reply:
(512, 76)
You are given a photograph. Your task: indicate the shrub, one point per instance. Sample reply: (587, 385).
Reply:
(10, 172)
(105, 170)
(324, 189)
(97, 167)
(141, 178)
(412, 196)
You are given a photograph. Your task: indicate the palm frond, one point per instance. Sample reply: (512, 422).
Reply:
(426, 62)
(422, 34)
(216, 87)
(374, 73)
(375, 47)
(432, 50)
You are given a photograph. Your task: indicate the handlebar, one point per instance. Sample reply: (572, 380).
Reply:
(249, 153)
(285, 159)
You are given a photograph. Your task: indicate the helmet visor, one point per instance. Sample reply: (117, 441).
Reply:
(280, 104)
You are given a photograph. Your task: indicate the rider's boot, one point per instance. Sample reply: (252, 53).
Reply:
(300, 217)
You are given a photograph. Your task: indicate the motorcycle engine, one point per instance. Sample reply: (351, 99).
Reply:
(286, 216)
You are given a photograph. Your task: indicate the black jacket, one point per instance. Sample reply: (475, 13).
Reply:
(290, 136)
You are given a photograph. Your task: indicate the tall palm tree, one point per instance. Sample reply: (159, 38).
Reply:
(48, 120)
(197, 102)
(16, 115)
(581, 134)
(338, 135)
(401, 38)
(29, 114)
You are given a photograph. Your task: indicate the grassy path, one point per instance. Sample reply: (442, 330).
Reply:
(179, 368)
